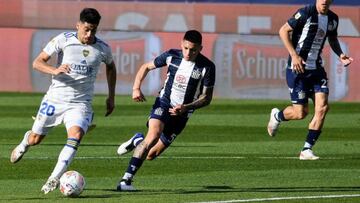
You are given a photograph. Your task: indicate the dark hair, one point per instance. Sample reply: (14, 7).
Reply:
(193, 36)
(90, 15)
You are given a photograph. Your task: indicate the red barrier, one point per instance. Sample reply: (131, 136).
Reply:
(14, 59)
(248, 66)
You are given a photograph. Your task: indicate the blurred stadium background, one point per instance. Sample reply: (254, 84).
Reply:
(240, 36)
(225, 152)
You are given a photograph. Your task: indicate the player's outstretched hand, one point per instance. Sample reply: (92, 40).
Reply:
(346, 60)
(110, 105)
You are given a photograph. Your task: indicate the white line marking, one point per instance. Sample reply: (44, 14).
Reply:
(188, 157)
(284, 198)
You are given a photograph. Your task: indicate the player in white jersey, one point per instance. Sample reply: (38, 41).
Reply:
(70, 95)
(305, 74)
(189, 85)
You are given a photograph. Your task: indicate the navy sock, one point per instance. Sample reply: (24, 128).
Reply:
(134, 165)
(311, 138)
(280, 116)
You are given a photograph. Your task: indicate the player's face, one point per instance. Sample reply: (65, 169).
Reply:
(86, 32)
(190, 50)
(323, 6)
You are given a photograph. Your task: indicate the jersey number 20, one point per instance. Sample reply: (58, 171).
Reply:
(47, 109)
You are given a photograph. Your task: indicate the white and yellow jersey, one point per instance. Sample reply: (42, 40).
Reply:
(84, 60)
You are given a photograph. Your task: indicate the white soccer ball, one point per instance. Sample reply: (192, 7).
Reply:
(72, 183)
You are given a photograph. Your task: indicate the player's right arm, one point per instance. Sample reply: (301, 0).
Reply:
(137, 94)
(296, 60)
(40, 64)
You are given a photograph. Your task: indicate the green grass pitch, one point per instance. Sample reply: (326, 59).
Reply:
(224, 154)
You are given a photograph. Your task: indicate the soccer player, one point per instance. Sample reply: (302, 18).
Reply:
(189, 85)
(305, 74)
(70, 95)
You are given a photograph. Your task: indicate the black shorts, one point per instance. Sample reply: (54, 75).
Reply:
(303, 86)
(174, 125)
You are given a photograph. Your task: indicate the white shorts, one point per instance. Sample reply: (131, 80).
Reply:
(51, 114)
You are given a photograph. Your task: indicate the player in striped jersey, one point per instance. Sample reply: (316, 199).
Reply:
(306, 78)
(70, 95)
(189, 85)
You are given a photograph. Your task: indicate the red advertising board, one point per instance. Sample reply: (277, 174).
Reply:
(15, 60)
(248, 66)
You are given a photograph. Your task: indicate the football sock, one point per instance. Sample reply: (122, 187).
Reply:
(127, 176)
(312, 136)
(280, 116)
(25, 141)
(138, 140)
(134, 165)
(65, 157)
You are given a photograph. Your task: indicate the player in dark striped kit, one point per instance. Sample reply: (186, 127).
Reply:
(305, 74)
(188, 86)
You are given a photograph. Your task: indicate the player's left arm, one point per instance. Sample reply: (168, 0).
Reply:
(111, 80)
(335, 46)
(203, 100)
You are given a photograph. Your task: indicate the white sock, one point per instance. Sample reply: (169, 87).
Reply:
(25, 140)
(65, 157)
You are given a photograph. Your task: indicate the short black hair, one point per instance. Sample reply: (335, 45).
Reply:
(193, 36)
(90, 15)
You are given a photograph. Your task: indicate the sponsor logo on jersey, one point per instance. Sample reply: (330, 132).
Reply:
(81, 69)
(86, 52)
(196, 74)
(179, 86)
(180, 79)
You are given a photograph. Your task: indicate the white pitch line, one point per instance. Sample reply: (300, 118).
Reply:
(284, 198)
(188, 157)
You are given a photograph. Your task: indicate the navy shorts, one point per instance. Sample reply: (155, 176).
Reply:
(173, 124)
(303, 86)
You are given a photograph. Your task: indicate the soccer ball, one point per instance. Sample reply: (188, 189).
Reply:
(72, 183)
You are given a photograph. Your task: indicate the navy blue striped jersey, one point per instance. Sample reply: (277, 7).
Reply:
(310, 30)
(185, 79)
